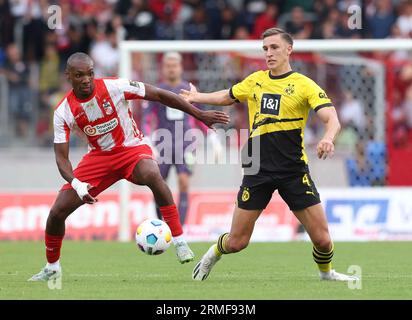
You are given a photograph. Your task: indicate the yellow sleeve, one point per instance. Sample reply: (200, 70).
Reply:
(241, 90)
(316, 96)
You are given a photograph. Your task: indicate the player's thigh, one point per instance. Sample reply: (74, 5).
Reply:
(66, 202)
(314, 220)
(243, 223)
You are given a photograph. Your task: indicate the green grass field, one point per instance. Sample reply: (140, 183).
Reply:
(102, 270)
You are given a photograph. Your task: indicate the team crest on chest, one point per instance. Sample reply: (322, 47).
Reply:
(290, 89)
(107, 107)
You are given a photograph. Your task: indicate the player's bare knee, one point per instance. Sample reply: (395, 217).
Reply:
(323, 244)
(149, 177)
(57, 215)
(236, 245)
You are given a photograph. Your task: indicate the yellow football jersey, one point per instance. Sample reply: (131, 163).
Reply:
(278, 110)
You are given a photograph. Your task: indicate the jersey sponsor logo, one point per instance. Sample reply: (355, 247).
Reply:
(290, 89)
(357, 211)
(101, 128)
(270, 104)
(323, 95)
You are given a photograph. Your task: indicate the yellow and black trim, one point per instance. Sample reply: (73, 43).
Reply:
(221, 243)
(232, 95)
(281, 76)
(323, 106)
(322, 257)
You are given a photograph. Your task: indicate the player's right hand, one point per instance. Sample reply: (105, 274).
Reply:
(211, 117)
(82, 189)
(188, 95)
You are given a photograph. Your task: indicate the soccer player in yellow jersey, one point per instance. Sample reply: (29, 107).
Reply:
(279, 101)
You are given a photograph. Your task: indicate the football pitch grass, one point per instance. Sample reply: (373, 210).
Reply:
(110, 270)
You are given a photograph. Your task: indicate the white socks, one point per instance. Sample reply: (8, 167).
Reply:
(53, 266)
(178, 239)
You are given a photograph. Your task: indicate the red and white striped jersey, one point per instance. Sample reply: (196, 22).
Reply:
(105, 117)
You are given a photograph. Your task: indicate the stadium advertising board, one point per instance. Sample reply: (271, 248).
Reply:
(365, 214)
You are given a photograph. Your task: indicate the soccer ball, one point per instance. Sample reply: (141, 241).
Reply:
(153, 236)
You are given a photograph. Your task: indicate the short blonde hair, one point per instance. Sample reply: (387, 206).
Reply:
(172, 55)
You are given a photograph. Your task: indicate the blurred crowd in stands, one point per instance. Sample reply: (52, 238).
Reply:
(33, 56)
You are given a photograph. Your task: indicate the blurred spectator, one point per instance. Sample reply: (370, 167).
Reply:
(323, 8)
(167, 13)
(368, 166)
(49, 70)
(306, 5)
(327, 26)
(358, 167)
(228, 24)
(298, 27)
(252, 9)
(117, 26)
(404, 21)
(69, 20)
(399, 134)
(254, 6)
(352, 113)
(6, 24)
(347, 138)
(219, 16)
(242, 33)
(266, 20)
(398, 55)
(343, 31)
(105, 54)
(407, 106)
(34, 26)
(20, 103)
(196, 27)
(138, 20)
(166, 9)
(381, 20)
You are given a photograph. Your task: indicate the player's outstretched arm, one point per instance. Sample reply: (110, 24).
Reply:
(330, 119)
(173, 100)
(217, 98)
(61, 151)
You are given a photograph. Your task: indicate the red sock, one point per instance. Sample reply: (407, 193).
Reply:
(53, 246)
(171, 217)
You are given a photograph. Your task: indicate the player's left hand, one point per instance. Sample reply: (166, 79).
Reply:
(325, 148)
(211, 117)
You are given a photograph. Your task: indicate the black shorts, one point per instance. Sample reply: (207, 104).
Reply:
(299, 191)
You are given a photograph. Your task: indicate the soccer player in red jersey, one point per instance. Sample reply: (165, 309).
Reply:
(99, 108)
